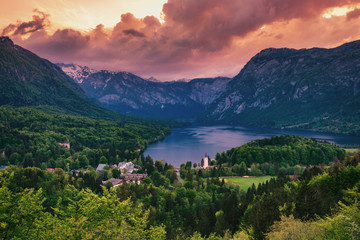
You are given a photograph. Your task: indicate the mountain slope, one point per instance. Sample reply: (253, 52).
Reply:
(314, 89)
(127, 93)
(28, 80)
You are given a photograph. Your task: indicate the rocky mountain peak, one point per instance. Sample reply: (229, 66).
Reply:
(77, 72)
(291, 88)
(127, 93)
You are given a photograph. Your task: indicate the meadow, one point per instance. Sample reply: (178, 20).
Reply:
(352, 150)
(246, 182)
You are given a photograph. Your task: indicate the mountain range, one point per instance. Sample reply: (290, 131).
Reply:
(127, 93)
(28, 80)
(315, 89)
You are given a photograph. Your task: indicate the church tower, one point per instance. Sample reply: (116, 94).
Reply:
(206, 161)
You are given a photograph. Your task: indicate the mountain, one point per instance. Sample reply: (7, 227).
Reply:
(127, 93)
(315, 89)
(28, 80)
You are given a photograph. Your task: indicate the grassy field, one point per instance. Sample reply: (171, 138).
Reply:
(351, 150)
(246, 182)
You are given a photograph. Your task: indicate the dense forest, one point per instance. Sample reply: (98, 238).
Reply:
(195, 203)
(31, 137)
(321, 204)
(270, 156)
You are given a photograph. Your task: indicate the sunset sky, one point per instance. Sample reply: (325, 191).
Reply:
(174, 39)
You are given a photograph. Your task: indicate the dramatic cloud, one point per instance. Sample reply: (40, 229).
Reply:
(22, 28)
(133, 32)
(353, 14)
(196, 38)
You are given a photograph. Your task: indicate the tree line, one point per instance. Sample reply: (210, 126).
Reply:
(31, 137)
(59, 205)
(270, 156)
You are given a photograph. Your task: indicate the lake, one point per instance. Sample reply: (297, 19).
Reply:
(191, 143)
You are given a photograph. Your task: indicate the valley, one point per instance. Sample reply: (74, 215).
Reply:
(310, 89)
(63, 150)
(193, 142)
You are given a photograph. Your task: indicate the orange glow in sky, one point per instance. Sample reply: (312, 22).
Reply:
(78, 14)
(339, 11)
(174, 39)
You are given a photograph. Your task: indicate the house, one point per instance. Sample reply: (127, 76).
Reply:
(3, 167)
(65, 144)
(100, 167)
(126, 178)
(129, 166)
(50, 169)
(135, 178)
(115, 182)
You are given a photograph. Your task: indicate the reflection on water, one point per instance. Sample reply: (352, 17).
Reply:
(191, 143)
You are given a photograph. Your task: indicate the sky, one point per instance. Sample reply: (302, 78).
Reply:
(174, 39)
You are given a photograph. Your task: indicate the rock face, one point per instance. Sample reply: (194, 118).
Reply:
(127, 93)
(308, 88)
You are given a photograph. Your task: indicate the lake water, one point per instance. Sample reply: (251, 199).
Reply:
(191, 143)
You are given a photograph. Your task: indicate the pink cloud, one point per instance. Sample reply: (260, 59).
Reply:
(39, 22)
(197, 38)
(353, 14)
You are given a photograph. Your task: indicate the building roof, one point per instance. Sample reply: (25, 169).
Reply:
(129, 166)
(100, 167)
(125, 164)
(133, 176)
(115, 182)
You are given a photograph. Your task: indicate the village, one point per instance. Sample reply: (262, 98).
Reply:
(127, 170)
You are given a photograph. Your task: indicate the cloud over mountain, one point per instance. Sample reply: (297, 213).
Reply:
(195, 38)
(39, 22)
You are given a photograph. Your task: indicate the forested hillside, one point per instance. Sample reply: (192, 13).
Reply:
(31, 137)
(28, 80)
(322, 204)
(315, 89)
(270, 156)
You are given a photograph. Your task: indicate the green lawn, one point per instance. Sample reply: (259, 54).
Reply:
(246, 182)
(351, 150)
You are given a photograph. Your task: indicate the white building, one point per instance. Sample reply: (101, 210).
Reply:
(129, 166)
(65, 144)
(206, 161)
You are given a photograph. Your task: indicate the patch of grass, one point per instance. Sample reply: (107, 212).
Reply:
(246, 182)
(351, 150)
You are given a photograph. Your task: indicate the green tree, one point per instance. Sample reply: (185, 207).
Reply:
(15, 158)
(115, 173)
(103, 160)
(83, 161)
(221, 224)
(290, 228)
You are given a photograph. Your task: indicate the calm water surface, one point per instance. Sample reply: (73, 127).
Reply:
(191, 143)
